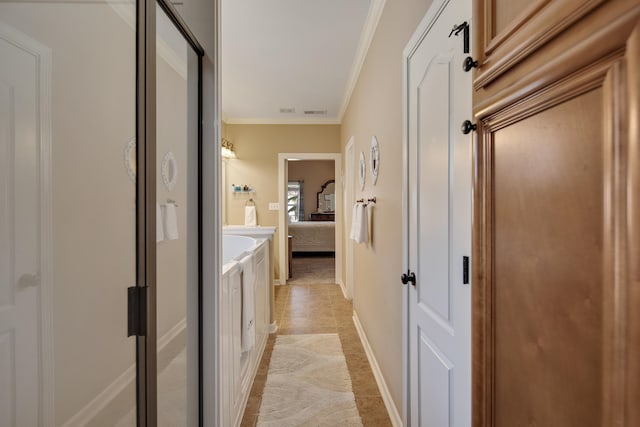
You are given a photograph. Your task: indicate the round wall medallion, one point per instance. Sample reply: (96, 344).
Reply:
(169, 171)
(130, 159)
(374, 159)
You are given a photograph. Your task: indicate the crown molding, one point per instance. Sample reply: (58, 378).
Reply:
(279, 121)
(370, 26)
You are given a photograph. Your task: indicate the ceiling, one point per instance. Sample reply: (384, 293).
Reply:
(303, 55)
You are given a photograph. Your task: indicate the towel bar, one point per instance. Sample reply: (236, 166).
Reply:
(372, 200)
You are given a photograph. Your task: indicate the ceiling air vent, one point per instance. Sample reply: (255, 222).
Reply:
(287, 110)
(315, 112)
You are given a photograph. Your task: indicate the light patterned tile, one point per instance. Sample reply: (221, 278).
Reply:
(308, 384)
(320, 309)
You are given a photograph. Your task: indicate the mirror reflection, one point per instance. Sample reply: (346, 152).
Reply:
(326, 197)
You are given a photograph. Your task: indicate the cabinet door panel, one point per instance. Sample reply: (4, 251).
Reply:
(552, 239)
(511, 36)
(548, 192)
(632, 340)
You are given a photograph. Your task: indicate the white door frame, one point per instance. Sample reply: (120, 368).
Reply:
(283, 159)
(42, 54)
(349, 199)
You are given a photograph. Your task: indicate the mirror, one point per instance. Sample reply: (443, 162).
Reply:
(326, 196)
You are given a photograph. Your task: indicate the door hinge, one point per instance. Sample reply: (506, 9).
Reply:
(464, 29)
(465, 270)
(137, 311)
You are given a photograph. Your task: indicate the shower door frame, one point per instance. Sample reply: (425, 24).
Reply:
(146, 343)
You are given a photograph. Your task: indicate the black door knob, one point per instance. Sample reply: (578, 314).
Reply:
(469, 63)
(467, 127)
(410, 277)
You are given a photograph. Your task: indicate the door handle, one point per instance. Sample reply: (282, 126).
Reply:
(29, 280)
(410, 276)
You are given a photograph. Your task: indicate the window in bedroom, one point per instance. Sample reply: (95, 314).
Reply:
(294, 201)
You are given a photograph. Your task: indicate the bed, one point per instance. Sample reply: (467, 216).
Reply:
(313, 236)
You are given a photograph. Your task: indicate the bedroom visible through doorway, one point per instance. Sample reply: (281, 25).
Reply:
(311, 221)
(312, 197)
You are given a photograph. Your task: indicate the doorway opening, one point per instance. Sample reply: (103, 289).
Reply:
(311, 221)
(310, 196)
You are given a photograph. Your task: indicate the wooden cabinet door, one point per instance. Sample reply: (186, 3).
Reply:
(555, 234)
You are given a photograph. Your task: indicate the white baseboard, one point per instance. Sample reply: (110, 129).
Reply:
(343, 288)
(273, 328)
(92, 409)
(396, 419)
(171, 334)
(102, 400)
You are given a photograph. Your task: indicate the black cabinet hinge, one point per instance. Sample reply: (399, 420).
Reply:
(137, 311)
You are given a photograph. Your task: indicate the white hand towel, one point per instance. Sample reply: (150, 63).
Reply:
(248, 334)
(354, 222)
(250, 217)
(159, 224)
(170, 222)
(360, 224)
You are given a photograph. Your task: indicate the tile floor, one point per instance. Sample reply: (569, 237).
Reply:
(315, 309)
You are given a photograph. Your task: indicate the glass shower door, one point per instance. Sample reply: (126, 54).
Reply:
(67, 212)
(177, 267)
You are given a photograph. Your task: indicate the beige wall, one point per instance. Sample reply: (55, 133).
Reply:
(375, 108)
(313, 173)
(223, 129)
(257, 148)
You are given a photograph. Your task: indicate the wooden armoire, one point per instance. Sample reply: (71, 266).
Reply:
(556, 220)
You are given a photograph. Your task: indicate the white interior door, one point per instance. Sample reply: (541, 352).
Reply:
(439, 232)
(20, 371)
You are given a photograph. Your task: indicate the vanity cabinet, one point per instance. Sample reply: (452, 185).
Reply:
(556, 100)
(238, 368)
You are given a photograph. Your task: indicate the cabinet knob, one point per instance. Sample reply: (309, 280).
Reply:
(469, 63)
(467, 127)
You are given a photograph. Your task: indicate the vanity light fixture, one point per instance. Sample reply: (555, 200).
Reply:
(227, 149)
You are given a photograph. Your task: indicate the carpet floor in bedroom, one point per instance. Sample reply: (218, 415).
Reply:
(321, 309)
(313, 269)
